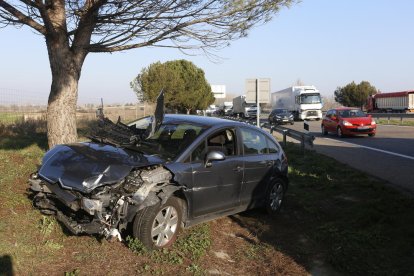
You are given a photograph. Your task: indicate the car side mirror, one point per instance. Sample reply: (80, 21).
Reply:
(213, 156)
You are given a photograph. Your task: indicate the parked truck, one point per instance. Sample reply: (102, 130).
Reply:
(304, 102)
(391, 102)
(244, 109)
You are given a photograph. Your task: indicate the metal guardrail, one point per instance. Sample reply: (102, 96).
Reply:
(304, 138)
(388, 116)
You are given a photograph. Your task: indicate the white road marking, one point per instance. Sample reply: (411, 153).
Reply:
(374, 149)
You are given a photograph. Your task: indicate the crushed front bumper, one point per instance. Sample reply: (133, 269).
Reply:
(65, 205)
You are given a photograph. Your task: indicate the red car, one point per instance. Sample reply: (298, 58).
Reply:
(348, 121)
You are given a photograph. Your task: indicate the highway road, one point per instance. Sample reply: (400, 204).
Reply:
(389, 155)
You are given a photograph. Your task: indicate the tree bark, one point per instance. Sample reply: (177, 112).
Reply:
(66, 65)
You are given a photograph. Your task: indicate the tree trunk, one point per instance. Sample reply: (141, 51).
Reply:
(61, 110)
(66, 67)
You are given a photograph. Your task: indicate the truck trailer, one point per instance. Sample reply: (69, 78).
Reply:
(391, 102)
(304, 102)
(244, 109)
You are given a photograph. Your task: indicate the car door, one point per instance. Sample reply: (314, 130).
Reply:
(331, 120)
(216, 188)
(258, 165)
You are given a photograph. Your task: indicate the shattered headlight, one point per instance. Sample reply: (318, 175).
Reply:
(92, 182)
(90, 205)
(112, 174)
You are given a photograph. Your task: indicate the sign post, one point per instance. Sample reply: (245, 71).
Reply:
(258, 102)
(258, 91)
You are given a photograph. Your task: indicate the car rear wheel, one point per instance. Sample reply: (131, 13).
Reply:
(339, 132)
(275, 196)
(157, 226)
(323, 130)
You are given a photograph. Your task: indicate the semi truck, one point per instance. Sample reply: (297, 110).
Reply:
(304, 102)
(391, 102)
(244, 109)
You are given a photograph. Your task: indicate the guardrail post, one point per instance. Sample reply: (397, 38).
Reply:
(302, 144)
(401, 120)
(284, 137)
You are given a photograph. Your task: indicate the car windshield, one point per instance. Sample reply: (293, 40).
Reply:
(280, 111)
(310, 98)
(351, 113)
(171, 139)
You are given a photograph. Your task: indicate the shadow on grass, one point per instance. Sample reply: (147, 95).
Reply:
(23, 134)
(339, 220)
(6, 265)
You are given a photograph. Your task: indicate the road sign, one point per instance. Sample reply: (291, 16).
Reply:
(258, 86)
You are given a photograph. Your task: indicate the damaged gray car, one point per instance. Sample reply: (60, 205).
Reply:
(158, 175)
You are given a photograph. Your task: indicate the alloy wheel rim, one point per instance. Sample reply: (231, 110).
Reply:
(164, 226)
(276, 196)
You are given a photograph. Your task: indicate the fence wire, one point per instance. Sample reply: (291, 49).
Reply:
(17, 105)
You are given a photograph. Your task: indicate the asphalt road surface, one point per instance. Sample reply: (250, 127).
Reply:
(389, 155)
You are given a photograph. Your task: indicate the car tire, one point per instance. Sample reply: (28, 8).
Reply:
(158, 226)
(339, 132)
(275, 196)
(292, 123)
(371, 134)
(323, 130)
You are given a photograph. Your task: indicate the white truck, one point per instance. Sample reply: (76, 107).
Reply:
(244, 109)
(225, 108)
(304, 102)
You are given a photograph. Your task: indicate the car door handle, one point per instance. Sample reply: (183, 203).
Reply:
(238, 169)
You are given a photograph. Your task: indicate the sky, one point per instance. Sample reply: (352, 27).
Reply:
(326, 43)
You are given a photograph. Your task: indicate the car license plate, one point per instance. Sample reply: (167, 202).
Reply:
(363, 127)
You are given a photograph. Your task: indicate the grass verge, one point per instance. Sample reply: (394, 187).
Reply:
(363, 226)
(396, 122)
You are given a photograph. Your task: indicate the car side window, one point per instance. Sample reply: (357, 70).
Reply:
(329, 113)
(253, 142)
(224, 141)
(199, 152)
(271, 146)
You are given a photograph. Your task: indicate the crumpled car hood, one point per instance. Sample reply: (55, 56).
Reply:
(85, 166)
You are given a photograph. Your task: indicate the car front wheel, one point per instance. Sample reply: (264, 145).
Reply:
(339, 132)
(275, 196)
(157, 226)
(323, 130)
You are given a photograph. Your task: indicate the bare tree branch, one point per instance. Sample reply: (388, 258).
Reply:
(20, 17)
